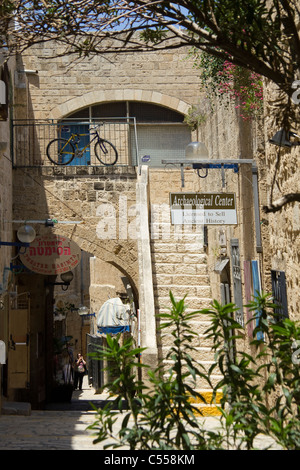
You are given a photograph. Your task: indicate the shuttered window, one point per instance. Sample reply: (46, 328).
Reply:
(279, 293)
(237, 281)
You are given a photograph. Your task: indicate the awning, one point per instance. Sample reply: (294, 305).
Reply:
(220, 265)
(113, 317)
(113, 330)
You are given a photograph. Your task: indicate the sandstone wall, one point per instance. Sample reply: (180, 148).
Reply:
(282, 177)
(68, 194)
(61, 81)
(63, 85)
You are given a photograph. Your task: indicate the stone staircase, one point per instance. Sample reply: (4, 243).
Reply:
(179, 264)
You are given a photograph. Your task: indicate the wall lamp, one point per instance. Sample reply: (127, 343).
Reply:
(199, 151)
(282, 139)
(196, 154)
(66, 279)
(85, 312)
(26, 234)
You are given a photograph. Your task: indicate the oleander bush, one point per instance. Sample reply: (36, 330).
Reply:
(261, 391)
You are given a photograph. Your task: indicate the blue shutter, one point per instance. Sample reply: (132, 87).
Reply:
(74, 128)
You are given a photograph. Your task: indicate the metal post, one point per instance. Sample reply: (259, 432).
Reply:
(256, 208)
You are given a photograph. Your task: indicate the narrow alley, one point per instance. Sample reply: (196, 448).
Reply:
(62, 426)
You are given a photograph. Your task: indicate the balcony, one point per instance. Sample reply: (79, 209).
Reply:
(30, 139)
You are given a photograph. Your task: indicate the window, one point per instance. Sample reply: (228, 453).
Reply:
(279, 293)
(160, 132)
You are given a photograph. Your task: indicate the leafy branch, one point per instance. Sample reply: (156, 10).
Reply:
(261, 391)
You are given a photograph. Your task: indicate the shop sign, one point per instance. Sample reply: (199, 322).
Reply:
(51, 254)
(203, 208)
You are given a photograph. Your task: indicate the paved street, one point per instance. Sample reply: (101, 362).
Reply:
(64, 426)
(60, 427)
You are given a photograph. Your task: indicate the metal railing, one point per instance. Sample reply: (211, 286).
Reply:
(30, 139)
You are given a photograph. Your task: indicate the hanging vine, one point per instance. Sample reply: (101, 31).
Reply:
(231, 83)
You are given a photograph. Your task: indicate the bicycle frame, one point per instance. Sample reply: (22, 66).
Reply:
(75, 142)
(62, 151)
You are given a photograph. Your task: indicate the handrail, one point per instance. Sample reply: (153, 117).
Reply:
(30, 138)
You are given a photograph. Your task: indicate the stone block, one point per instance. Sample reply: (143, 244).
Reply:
(16, 408)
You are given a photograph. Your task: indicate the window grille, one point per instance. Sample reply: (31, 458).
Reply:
(161, 133)
(279, 293)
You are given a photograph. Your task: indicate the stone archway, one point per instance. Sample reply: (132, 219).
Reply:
(70, 194)
(74, 194)
(100, 96)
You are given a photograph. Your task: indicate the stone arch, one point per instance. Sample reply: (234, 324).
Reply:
(120, 254)
(100, 96)
(70, 193)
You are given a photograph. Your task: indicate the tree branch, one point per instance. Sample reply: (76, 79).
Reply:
(277, 205)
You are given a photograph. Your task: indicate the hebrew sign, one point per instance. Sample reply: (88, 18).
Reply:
(52, 254)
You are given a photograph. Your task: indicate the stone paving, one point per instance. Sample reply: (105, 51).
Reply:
(59, 427)
(64, 427)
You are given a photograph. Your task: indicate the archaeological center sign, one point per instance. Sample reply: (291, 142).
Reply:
(203, 208)
(51, 254)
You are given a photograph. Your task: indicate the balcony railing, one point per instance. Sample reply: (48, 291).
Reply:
(30, 139)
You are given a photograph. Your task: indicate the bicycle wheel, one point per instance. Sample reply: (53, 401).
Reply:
(106, 152)
(60, 151)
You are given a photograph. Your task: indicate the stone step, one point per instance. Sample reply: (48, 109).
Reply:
(204, 365)
(182, 290)
(180, 247)
(194, 303)
(16, 408)
(179, 258)
(172, 268)
(201, 353)
(162, 230)
(207, 410)
(201, 382)
(208, 397)
(180, 266)
(210, 405)
(181, 279)
(203, 340)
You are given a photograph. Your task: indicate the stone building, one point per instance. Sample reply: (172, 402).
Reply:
(120, 216)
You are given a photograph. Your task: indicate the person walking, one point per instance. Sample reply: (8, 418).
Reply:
(79, 371)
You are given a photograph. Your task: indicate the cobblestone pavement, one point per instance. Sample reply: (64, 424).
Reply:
(60, 427)
(64, 427)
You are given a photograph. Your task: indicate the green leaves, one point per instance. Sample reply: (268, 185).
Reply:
(260, 389)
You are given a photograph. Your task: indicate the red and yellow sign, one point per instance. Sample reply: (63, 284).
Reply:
(51, 254)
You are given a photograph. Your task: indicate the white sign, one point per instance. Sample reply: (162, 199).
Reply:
(203, 208)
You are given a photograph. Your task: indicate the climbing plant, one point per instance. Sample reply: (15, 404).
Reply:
(227, 82)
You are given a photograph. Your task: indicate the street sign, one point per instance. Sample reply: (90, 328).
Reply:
(203, 208)
(51, 254)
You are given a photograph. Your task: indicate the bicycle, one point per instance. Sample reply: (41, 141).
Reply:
(61, 151)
